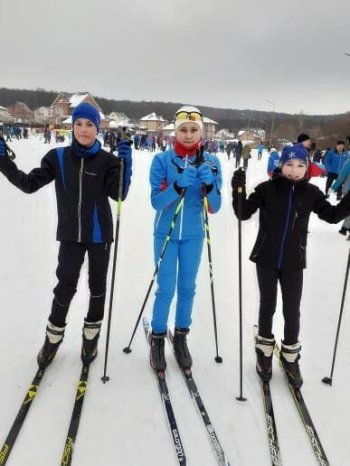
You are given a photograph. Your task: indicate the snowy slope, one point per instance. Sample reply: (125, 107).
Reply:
(122, 421)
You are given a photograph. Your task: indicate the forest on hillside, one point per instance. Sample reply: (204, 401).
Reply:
(325, 129)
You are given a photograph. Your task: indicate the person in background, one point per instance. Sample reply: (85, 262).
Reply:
(333, 162)
(260, 148)
(246, 155)
(85, 177)
(305, 140)
(273, 161)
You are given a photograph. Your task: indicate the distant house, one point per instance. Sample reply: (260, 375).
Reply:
(209, 128)
(225, 134)
(153, 123)
(5, 117)
(118, 119)
(21, 112)
(64, 104)
(42, 114)
(251, 135)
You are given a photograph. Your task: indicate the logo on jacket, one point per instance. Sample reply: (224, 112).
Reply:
(90, 173)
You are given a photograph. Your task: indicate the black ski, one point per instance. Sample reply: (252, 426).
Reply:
(195, 395)
(75, 419)
(164, 393)
(21, 416)
(274, 447)
(306, 419)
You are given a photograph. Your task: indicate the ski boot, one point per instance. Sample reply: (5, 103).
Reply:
(156, 356)
(53, 339)
(91, 334)
(290, 355)
(182, 353)
(264, 353)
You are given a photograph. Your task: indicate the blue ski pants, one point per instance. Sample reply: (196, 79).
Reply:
(179, 266)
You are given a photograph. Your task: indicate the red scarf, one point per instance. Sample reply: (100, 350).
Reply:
(182, 150)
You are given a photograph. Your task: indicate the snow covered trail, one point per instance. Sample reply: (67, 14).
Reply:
(123, 421)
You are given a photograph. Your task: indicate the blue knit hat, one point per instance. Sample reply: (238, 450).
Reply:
(87, 111)
(297, 151)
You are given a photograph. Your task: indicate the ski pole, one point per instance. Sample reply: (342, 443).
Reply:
(218, 358)
(240, 191)
(105, 378)
(179, 206)
(329, 380)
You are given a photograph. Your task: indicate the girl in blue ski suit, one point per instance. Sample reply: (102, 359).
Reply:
(176, 173)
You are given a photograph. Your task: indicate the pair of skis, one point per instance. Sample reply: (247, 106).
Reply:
(195, 395)
(305, 417)
(25, 406)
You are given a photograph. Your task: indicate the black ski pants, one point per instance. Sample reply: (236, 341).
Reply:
(70, 259)
(330, 178)
(291, 284)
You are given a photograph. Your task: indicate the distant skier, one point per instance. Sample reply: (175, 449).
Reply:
(273, 161)
(285, 202)
(334, 161)
(260, 148)
(174, 173)
(85, 177)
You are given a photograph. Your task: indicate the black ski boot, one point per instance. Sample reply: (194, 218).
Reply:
(290, 355)
(156, 355)
(91, 334)
(264, 353)
(53, 339)
(180, 347)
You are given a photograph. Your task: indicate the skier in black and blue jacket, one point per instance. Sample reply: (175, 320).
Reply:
(85, 177)
(285, 203)
(181, 171)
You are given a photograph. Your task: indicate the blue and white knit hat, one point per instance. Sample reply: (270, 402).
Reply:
(297, 151)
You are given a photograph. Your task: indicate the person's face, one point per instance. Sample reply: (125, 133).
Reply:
(307, 143)
(188, 134)
(294, 169)
(85, 131)
(340, 147)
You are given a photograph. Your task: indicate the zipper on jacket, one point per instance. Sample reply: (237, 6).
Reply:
(183, 206)
(80, 197)
(285, 227)
(294, 219)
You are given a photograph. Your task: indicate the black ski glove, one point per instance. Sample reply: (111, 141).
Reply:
(238, 180)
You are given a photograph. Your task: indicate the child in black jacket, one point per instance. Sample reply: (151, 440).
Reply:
(85, 177)
(285, 204)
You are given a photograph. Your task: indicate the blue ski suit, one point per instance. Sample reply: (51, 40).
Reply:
(182, 256)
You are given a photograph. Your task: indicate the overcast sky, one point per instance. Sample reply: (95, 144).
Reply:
(207, 52)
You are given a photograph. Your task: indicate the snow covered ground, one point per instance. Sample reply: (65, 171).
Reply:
(123, 422)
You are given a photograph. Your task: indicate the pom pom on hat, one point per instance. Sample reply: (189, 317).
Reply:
(188, 114)
(89, 112)
(297, 151)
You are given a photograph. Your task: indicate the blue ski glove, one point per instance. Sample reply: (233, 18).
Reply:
(205, 174)
(3, 150)
(187, 177)
(124, 152)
